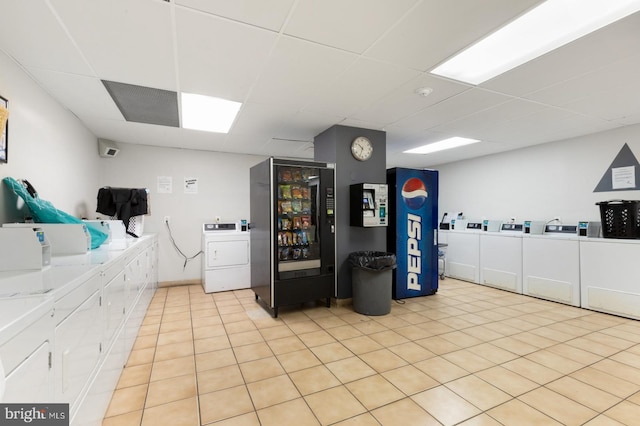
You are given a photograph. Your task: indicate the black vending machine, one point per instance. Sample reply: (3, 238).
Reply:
(293, 253)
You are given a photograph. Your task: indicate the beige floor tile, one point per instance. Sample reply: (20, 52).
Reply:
(141, 356)
(628, 358)
(391, 321)
(481, 420)
(134, 375)
(261, 369)
(411, 352)
(248, 419)
(295, 412)
(383, 360)
(414, 332)
(484, 333)
(128, 419)
(210, 360)
(443, 404)
(603, 420)
(224, 404)
(127, 400)
(374, 391)
(334, 405)
(316, 338)
(369, 327)
(329, 322)
(493, 353)
(219, 378)
(145, 342)
(606, 382)
(410, 380)
(344, 332)
(626, 413)
(554, 361)
(314, 379)
(622, 333)
(388, 338)
(169, 390)
(478, 392)
(438, 345)
(275, 390)
(209, 331)
(558, 407)
(183, 412)
(404, 413)
(277, 332)
(173, 350)
(252, 352)
(365, 419)
(468, 360)
(298, 360)
(575, 354)
(440, 369)
(239, 327)
(518, 413)
(245, 338)
(232, 307)
(506, 380)
(146, 330)
(619, 370)
(172, 368)
(350, 369)
(178, 316)
(610, 340)
(175, 337)
(239, 316)
(583, 393)
(514, 345)
(331, 352)
(592, 346)
(362, 344)
(211, 344)
(286, 344)
(532, 370)
(306, 326)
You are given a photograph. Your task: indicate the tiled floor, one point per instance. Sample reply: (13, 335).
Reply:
(469, 355)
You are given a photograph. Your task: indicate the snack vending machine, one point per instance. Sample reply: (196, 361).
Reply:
(412, 233)
(293, 254)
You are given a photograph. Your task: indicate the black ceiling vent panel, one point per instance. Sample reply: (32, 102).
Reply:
(145, 104)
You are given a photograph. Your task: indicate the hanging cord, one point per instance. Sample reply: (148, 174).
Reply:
(184, 256)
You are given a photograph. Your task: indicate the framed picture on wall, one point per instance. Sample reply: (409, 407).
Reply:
(4, 129)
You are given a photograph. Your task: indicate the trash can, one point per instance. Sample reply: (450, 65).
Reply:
(372, 279)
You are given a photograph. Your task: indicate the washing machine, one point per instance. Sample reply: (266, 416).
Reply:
(227, 256)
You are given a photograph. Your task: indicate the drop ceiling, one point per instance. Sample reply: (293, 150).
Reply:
(302, 66)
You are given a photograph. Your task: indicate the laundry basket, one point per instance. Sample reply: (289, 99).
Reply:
(620, 218)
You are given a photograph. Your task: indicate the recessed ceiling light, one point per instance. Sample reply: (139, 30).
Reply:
(453, 142)
(206, 113)
(550, 25)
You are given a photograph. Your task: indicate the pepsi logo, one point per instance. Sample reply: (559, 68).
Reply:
(414, 193)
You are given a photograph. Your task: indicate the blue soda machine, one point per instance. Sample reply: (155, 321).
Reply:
(412, 231)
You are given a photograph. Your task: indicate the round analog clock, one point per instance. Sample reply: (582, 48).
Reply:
(361, 148)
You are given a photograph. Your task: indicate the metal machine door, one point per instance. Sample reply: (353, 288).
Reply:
(227, 253)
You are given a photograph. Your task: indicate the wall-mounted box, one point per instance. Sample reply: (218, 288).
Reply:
(24, 249)
(64, 238)
(369, 203)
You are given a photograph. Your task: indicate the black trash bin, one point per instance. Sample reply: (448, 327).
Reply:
(372, 279)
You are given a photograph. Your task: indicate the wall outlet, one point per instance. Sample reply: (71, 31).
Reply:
(217, 219)
(557, 218)
(167, 219)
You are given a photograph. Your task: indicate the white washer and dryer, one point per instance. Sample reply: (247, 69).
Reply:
(227, 256)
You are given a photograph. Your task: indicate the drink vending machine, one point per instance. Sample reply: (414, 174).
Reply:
(293, 253)
(412, 233)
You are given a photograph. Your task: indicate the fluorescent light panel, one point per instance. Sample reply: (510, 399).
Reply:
(453, 142)
(550, 25)
(206, 113)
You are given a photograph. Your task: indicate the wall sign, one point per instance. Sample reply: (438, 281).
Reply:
(4, 129)
(622, 174)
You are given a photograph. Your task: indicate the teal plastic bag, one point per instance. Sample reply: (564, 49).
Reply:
(43, 211)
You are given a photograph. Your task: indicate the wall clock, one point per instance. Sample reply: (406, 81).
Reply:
(361, 148)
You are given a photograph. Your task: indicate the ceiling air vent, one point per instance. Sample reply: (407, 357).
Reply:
(145, 104)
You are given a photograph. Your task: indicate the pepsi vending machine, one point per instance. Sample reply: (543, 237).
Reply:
(412, 232)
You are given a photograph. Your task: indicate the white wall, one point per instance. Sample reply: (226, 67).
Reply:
(47, 146)
(223, 190)
(539, 182)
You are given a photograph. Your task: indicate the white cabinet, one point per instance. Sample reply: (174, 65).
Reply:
(30, 380)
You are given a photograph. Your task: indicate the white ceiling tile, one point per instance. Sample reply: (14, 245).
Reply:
(124, 41)
(30, 33)
(404, 101)
(218, 57)
(350, 25)
(305, 126)
(86, 97)
(298, 69)
(361, 85)
(266, 14)
(437, 29)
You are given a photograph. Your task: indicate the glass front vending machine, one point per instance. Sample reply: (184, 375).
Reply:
(293, 253)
